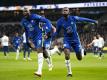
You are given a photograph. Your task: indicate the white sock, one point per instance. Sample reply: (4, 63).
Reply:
(49, 61)
(53, 51)
(68, 65)
(82, 52)
(17, 54)
(40, 63)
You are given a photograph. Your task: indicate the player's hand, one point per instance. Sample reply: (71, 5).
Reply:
(45, 37)
(31, 45)
(88, 46)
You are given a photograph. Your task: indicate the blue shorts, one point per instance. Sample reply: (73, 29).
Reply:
(25, 47)
(16, 47)
(76, 45)
(38, 43)
(47, 43)
(95, 49)
(5, 48)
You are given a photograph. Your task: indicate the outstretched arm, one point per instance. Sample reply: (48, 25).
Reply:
(53, 29)
(58, 28)
(90, 44)
(52, 32)
(85, 19)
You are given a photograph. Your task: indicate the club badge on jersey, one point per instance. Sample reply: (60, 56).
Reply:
(69, 29)
(31, 28)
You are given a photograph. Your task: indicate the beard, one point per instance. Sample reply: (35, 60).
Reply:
(26, 14)
(65, 15)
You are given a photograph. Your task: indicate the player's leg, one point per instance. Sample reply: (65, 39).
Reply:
(100, 53)
(29, 55)
(17, 52)
(48, 58)
(95, 51)
(67, 58)
(24, 51)
(7, 51)
(4, 51)
(46, 54)
(78, 50)
(55, 50)
(28, 50)
(38, 45)
(40, 62)
(67, 61)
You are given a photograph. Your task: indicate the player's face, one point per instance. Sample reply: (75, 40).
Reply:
(98, 36)
(16, 34)
(65, 11)
(25, 13)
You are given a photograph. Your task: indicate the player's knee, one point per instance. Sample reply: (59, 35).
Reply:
(67, 57)
(67, 54)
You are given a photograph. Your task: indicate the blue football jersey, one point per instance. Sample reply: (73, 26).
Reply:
(69, 26)
(17, 41)
(32, 26)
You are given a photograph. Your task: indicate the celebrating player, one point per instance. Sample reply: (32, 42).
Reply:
(48, 42)
(71, 38)
(31, 22)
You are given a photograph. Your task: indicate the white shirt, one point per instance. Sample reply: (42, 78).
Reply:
(95, 42)
(100, 42)
(24, 37)
(5, 41)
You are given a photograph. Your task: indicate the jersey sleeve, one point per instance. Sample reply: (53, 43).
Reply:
(21, 39)
(47, 22)
(58, 27)
(84, 19)
(42, 19)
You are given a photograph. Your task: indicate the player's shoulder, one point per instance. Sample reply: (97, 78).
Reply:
(31, 15)
(74, 17)
(23, 20)
(60, 20)
(34, 15)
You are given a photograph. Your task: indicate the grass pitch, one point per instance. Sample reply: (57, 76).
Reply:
(90, 68)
